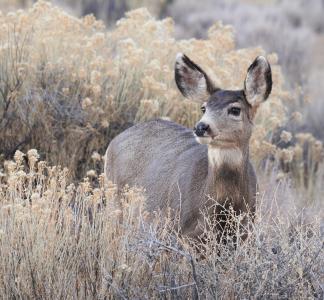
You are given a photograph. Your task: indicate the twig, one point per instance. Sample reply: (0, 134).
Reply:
(189, 257)
(194, 275)
(166, 288)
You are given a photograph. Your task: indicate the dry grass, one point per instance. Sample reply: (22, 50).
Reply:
(58, 240)
(67, 87)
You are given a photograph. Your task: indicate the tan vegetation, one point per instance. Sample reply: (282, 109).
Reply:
(67, 87)
(58, 240)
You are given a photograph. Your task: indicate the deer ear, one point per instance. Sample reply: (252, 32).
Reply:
(191, 80)
(258, 81)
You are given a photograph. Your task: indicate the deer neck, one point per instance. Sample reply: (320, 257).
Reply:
(227, 178)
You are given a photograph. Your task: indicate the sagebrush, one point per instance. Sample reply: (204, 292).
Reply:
(68, 85)
(60, 240)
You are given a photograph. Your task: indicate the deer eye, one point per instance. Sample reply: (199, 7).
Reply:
(203, 109)
(235, 111)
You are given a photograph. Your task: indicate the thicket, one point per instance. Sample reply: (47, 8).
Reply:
(68, 86)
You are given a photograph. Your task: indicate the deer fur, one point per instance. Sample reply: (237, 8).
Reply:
(185, 169)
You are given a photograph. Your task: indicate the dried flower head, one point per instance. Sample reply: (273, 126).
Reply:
(32, 154)
(286, 136)
(86, 103)
(280, 176)
(297, 117)
(304, 137)
(105, 123)
(19, 156)
(286, 155)
(96, 89)
(10, 166)
(96, 156)
(92, 174)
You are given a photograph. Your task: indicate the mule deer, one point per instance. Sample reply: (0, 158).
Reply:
(183, 169)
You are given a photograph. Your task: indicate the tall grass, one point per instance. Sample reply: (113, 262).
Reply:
(60, 240)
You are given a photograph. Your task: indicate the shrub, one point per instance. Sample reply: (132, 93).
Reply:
(112, 10)
(68, 86)
(60, 240)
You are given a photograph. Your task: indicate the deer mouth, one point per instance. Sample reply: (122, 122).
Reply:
(215, 140)
(205, 139)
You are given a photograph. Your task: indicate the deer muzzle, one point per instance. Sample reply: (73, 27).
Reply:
(200, 129)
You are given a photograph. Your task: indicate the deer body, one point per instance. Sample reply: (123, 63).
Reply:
(187, 170)
(182, 177)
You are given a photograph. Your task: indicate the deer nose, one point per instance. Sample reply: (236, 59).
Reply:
(201, 128)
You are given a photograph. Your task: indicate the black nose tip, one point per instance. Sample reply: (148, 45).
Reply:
(201, 128)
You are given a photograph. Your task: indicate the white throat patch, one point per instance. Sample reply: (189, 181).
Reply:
(230, 156)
